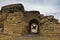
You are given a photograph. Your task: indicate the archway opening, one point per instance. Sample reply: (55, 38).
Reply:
(33, 26)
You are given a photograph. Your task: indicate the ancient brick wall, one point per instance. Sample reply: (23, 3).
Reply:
(14, 19)
(12, 8)
(49, 27)
(14, 23)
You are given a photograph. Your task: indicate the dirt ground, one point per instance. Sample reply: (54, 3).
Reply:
(27, 37)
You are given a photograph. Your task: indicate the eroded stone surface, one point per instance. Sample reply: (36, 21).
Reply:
(18, 21)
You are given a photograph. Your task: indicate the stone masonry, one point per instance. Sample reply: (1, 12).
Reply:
(15, 20)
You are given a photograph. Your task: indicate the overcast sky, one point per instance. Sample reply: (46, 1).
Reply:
(46, 7)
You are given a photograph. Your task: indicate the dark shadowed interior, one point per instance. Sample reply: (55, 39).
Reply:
(31, 22)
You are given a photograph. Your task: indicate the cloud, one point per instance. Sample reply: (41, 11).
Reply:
(46, 7)
(42, 8)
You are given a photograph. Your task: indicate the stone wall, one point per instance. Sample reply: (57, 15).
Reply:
(12, 8)
(18, 21)
(15, 23)
(49, 27)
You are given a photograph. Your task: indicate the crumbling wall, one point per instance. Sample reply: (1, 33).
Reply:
(49, 26)
(12, 8)
(14, 19)
(1, 23)
(15, 23)
(3, 17)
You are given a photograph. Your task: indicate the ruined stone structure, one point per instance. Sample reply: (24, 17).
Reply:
(15, 20)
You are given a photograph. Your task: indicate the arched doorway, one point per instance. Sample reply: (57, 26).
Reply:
(33, 26)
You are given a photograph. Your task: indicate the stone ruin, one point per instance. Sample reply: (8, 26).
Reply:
(15, 20)
(12, 8)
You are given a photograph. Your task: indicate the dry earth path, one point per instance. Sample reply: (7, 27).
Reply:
(31, 37)
(28, 37)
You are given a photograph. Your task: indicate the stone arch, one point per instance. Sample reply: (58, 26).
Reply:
(31, 22)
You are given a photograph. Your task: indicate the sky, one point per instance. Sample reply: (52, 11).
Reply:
(46, 7)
